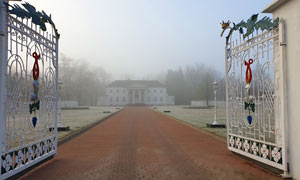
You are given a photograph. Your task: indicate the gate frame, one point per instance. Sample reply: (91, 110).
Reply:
(3, 95)
(3, 61)
(283, 106)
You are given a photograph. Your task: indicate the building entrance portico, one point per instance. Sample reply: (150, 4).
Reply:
(136, 96)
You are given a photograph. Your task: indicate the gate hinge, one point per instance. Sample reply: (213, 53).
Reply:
(282, 43)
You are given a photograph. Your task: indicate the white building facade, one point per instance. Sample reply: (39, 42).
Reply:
(143, 92)
(289, 13)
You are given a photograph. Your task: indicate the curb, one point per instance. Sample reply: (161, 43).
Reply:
(84, 129)
(216, 137)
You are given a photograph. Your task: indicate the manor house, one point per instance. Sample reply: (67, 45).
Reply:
(123, 92)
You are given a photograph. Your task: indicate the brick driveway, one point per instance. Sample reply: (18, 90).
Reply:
(139, 143)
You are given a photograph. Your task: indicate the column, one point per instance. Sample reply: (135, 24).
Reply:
(133, 96)
(140, 96)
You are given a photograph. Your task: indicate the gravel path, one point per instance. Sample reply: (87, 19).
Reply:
(139, 143)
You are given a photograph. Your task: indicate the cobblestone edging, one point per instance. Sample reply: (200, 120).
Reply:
(76, 133)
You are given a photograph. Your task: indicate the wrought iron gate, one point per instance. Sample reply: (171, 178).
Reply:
(29, 92)
(255, 96)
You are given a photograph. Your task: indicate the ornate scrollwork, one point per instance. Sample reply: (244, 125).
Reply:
(252, 90)
(15, 159)
(28, 100)
(258, 149)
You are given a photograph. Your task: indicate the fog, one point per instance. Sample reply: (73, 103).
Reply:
(106, 40)
(141, 38)
(85, 83)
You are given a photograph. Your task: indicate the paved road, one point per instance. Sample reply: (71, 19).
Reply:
(139, 143)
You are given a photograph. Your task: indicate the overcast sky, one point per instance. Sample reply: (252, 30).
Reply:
(143, 37)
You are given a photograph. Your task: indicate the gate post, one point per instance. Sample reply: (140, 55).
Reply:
(283, 99)
(3, 66)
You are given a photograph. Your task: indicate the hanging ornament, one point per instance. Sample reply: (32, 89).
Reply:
(249, 118)
(36, 70)
(248, 71)
(35, 75)
(34, 96)
(249, 104)
(34, 107)
(34, 121)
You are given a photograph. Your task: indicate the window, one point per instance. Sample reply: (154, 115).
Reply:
(154, 90)
(161, 99)
(111, 91)
(160, 91)
(117, 90)
(124, 91)
(149, 91)
(154, 99)
(124, 99)
(148, 99)
(117, 99)
(110, 99)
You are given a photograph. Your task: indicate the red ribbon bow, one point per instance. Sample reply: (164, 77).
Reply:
(248, 71)
(36, 70)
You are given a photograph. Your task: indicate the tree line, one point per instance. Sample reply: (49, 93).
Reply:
(85, 83)
(81, 82)
(194, 82)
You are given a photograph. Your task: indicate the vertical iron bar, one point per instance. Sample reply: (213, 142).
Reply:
(226, 77)
(57, 93)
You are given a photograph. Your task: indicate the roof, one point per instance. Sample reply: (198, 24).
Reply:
(136, 83)
(274, 5)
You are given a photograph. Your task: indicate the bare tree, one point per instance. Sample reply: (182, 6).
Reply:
(81, 82)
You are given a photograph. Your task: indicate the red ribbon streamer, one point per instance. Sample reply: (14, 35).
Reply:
(248, 71)
(36, 70)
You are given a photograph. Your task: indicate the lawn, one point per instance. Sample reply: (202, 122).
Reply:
(21, 132)
(79, 118)
(197, 117)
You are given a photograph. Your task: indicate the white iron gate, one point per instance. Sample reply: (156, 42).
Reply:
(255, 96)
(29, 92)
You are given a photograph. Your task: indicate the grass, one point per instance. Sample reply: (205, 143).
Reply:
(81, 118)
(198, 117)
(76, 119)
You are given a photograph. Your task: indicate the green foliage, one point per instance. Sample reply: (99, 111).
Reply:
(252, 24)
